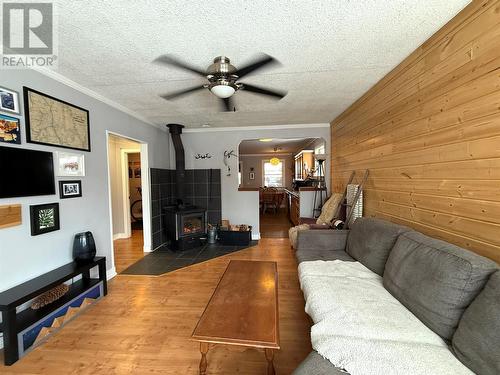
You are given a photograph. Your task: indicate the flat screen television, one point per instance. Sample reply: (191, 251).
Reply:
(25, 173)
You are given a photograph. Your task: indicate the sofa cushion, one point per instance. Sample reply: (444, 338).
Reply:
(435, 280)
(315, 364)
(371, 241)
(322, 254)
(477, 339)
(329, 209)
(293, 233)
(322, 239)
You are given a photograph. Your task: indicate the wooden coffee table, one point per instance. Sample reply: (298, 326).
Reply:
(243, 311)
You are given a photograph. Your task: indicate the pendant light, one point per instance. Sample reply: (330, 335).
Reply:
(274, 160)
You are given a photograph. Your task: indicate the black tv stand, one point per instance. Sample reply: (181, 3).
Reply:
(17, 326)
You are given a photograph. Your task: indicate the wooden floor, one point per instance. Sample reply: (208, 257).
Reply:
(274, 225)
(128, 250)
(144, 324)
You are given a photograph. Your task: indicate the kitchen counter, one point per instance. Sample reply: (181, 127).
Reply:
(300, 203)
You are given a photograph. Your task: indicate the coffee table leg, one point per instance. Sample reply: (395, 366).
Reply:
(269, 357)
(203, 361)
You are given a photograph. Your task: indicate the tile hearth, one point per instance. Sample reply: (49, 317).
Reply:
(165, 260)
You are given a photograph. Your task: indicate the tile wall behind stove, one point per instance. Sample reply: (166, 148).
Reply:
(202, 189)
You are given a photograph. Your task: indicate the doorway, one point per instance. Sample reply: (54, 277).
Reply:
(129, 199)
(285, 172)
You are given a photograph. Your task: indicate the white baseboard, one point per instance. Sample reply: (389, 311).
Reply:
(147, 249)
(255, 236)
(119, 236)
(111, 273)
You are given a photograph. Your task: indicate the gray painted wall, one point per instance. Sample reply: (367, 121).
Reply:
(22, 256)
(238, 206)
(255, 162)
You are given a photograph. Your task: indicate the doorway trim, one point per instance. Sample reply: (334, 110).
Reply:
(146, 192)
(126, 189)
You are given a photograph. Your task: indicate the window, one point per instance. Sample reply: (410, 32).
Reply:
(273, 175)
(240, 170)
(318, 151)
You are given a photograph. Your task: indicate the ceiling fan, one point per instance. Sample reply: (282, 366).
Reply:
(222, 78)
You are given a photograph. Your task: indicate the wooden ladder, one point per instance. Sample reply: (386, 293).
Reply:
(350, 207)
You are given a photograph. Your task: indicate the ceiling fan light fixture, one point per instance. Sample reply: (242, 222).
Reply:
(222, 91)
(223, 78)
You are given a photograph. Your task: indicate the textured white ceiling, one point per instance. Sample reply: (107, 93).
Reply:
(332, 51)
(290, 145)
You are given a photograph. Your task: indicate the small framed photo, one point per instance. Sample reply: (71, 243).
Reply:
(10, 129)
(137, 172)
(9, 101)
(70, 189)
(251, 175)
(44, 218)
(70, 164)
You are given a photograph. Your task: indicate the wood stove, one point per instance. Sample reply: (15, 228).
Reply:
(185, 226)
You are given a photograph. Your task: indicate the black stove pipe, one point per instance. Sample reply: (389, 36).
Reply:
(180, 162)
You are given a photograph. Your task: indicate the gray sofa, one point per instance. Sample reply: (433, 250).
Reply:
(453, 291)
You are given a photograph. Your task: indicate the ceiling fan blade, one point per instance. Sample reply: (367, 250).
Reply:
(228, 105)
(178, 94)
(173, 61)
(263, 91)
(258, 64)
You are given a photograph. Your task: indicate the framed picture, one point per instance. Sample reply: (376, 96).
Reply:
(70, 189)
(44, 218)
(9, 101)
(10, 129)
(54, 122)
(137, 172)
(251, 175)
(134, 169)
(70, 164)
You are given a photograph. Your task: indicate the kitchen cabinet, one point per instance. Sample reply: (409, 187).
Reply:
(304, 162)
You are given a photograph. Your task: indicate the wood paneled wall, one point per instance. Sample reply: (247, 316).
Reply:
(430, 134)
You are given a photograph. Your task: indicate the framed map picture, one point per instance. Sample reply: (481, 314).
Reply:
(54, 122)
(10, 130)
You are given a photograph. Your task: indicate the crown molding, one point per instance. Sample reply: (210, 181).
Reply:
(84, 90)
(91, 93)
(268, 154)
(255, 127)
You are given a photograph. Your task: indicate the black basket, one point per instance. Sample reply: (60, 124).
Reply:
(238, 238)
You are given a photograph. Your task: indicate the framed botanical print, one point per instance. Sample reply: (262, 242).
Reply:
(44, 218)
(70, 189)
(54, 122)
(9, 100)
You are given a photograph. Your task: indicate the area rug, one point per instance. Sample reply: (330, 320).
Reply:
(165, 260)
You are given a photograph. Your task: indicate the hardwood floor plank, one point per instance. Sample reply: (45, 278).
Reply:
(128, 250)
(145, 323)
(274, 225)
